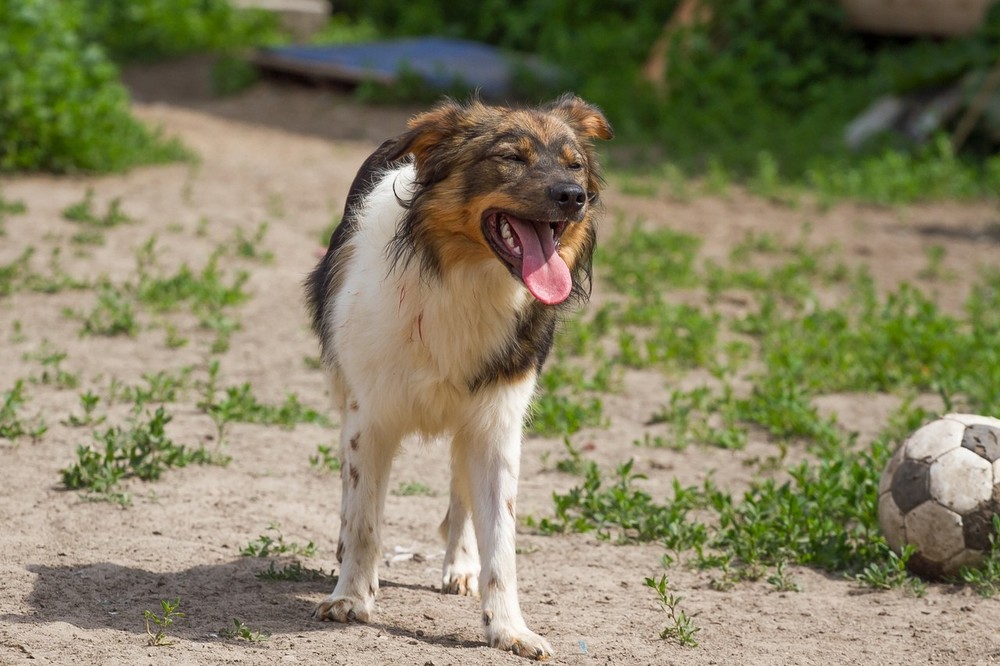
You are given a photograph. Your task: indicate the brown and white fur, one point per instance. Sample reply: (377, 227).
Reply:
(462, 240)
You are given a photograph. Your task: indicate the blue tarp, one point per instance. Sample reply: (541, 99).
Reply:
(440, 62)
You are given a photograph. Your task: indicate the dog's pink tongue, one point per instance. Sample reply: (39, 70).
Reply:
(544, 272)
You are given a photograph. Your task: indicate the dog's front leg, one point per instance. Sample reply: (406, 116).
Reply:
(460, 574)
(489, 454)
(366, 458)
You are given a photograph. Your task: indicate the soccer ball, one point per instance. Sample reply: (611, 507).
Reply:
(940, 492)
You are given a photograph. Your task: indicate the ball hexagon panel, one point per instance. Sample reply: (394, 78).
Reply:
(966, 558)
(961, 480)
(890, 521)
(977, 526)
(937, 530)
(973, 419)
(934, 439)
(890, 469)
(982, 440)
(911, 484)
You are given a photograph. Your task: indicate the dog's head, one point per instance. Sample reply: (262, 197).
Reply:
(518, 186)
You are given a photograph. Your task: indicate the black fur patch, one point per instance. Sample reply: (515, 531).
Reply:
(322, 283)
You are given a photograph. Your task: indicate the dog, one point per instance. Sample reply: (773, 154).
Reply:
(462, 242)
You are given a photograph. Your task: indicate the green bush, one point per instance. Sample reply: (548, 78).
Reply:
(62, 107)
(145, 30)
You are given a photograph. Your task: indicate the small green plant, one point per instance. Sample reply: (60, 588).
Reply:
(294, 572)
(573, 463)
(53, 373)
(890, 572)
(141, 449)
(12, 426)
(88, 401)
(241, 631)
(162, 622)
(411, 488)
(265, 545)
(985, 578)
(83, 212)
(238, 404)
(113, 315)
(681, 627)
(8, 208)
(324, 460)
(249, 246)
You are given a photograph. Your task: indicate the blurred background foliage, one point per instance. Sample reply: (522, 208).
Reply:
(757, 84)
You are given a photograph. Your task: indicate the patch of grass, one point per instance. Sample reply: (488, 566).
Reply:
(83, 212)
(140, 449)
(573, 463)
(53, 373)
(249, 246)
(265, 545)
(8, 208)
(324, 460)
(238, 404)
(553, 414)
(680, 627)
(413, 488)
(985, 579)
(88, 402)
(12, 426)
(241, 631)
(18, 275)
(294, 572)
(644, 263)
(112, 315)
(162, 622)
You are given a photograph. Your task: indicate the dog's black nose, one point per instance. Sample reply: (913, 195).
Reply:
(570, 197)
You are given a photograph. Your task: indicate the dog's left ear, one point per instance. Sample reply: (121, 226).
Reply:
(586, 120)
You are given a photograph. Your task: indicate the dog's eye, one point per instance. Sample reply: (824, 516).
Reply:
(574, 166)
(513, 157)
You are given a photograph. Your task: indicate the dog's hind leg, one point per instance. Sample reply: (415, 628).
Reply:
(366, 458)
(460, 574)
(488, 451)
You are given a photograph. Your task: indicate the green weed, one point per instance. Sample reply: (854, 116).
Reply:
(265, 545)
(53, 374)
(681, 627)
(249, 246)
(294, 572)
(112, 315)
(411, 488)
(83, 212)
(88, 402)
(241, 631)
(985, 579)
(238, 404)
(12, 426)
(324, 460)
(162, 622)
(140, 449)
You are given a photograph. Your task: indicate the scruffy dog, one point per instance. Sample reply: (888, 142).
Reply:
(462, 241)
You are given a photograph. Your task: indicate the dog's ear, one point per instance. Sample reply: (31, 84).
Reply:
(585, 119)
(432, 134)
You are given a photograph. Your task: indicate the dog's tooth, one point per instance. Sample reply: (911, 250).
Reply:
(508, 236)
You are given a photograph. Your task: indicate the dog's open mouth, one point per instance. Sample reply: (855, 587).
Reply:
(530, 250)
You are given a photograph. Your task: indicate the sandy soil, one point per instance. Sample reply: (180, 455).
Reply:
(77, 575)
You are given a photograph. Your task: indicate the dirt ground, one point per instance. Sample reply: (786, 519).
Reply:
(76, 575)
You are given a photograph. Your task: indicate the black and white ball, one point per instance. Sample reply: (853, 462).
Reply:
(940, 492)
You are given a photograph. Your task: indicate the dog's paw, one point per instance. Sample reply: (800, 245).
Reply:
(454, 581)
(344, 609)
(523, 643)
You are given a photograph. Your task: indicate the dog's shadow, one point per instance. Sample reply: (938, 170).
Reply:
(215, 600)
